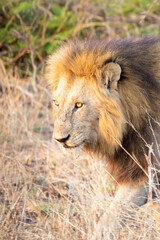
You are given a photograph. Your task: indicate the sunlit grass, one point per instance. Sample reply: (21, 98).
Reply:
(46, 193)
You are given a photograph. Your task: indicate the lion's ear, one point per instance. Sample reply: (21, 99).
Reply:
(111, 73)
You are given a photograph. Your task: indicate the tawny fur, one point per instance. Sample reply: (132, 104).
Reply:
(125, 116)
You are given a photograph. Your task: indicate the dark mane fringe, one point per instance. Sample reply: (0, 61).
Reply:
(139, 91)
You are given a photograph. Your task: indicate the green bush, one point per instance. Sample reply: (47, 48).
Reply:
(32, 29)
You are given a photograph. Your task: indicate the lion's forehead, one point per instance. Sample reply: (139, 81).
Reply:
(68, 91)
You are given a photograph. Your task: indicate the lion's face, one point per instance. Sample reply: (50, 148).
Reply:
(86, 106)
(75, 114)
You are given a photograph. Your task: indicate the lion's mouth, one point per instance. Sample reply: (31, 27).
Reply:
(70, 147)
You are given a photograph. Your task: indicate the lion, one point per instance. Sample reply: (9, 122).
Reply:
(106, 99)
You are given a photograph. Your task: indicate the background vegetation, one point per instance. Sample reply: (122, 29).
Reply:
(44, 193)
(32, 29)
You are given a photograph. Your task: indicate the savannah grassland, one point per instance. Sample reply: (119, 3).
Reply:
(46, 193)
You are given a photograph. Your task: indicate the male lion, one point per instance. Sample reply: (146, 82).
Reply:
(106, 99)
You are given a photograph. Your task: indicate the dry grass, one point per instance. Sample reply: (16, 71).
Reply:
(44, 192)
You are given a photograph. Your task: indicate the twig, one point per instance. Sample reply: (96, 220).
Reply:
(34, 70)
(88, 25)
(146, 14)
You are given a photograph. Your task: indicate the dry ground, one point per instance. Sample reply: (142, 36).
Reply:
(46, 193)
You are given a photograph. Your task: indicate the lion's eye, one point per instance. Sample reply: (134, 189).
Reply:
(78, 105)
(56, 103)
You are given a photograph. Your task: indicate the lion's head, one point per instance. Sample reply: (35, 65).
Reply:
(86, 106)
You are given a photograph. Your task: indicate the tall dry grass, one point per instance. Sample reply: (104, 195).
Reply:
(46, 193)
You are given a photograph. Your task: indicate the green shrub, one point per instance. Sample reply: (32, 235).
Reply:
(32, 29)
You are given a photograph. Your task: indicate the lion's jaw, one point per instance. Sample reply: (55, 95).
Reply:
(74, 126)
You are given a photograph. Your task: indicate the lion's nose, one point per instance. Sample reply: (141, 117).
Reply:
(63, 140)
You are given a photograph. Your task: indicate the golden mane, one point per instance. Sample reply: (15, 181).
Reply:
(76, 58)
